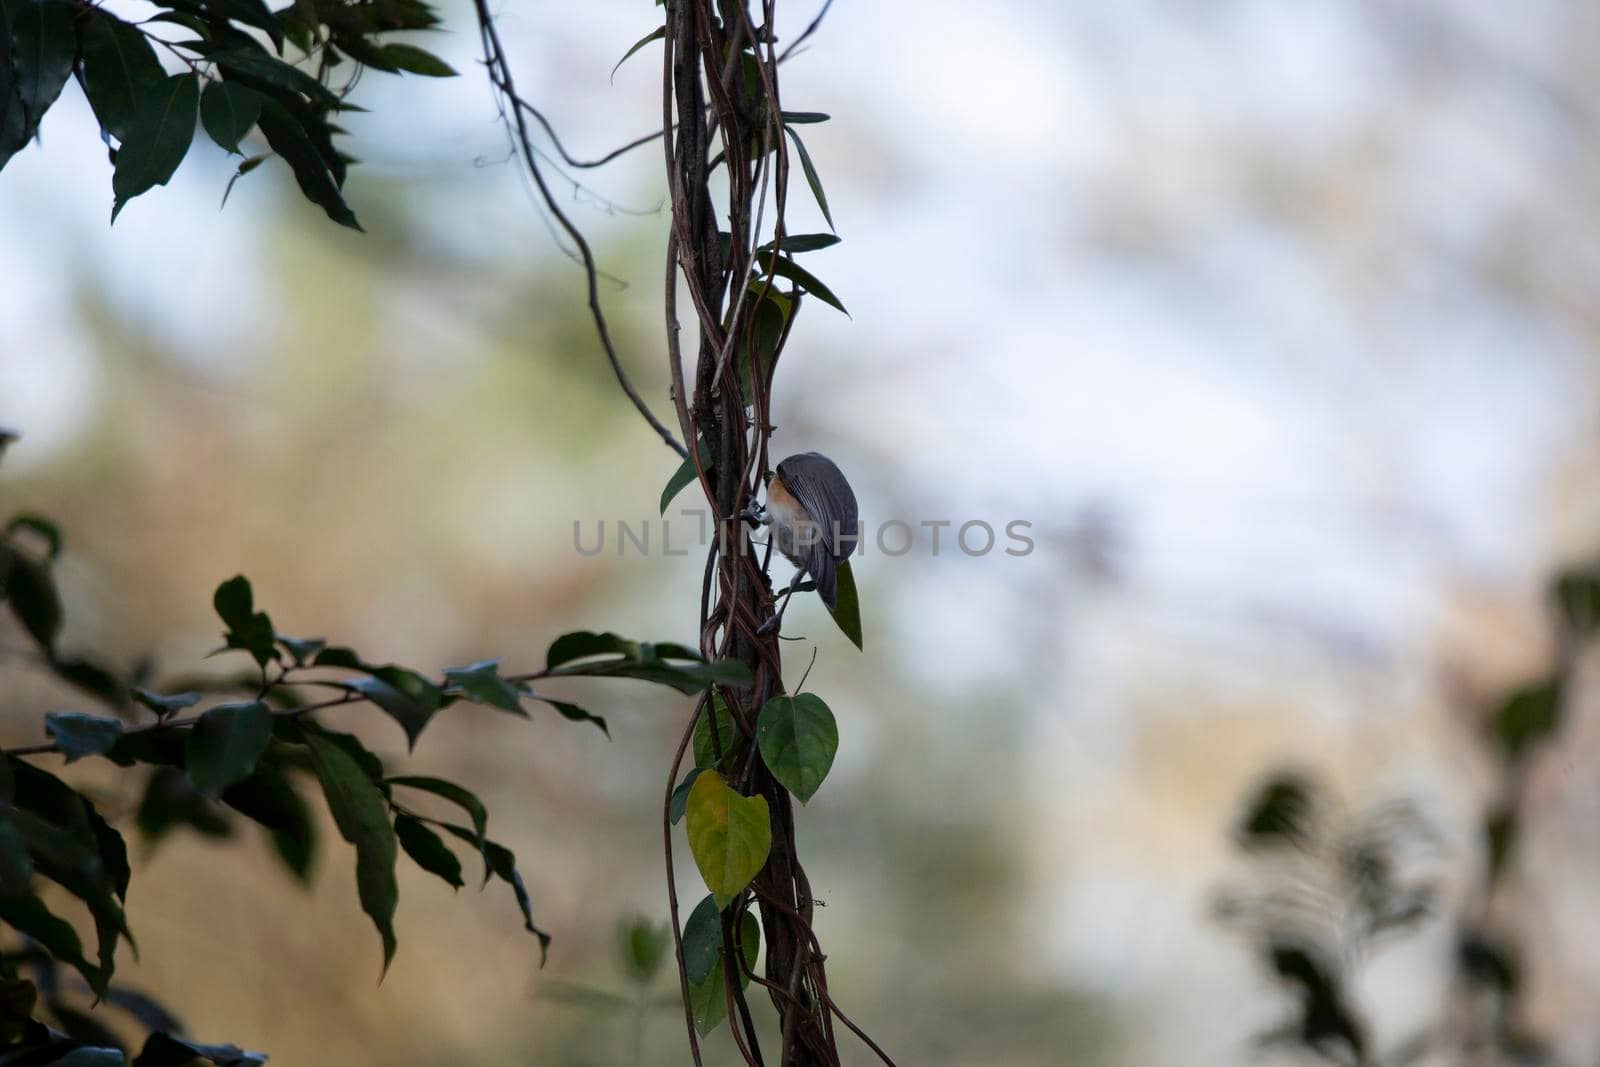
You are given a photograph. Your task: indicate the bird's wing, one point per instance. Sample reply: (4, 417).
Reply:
(819, 564)
(819, 485)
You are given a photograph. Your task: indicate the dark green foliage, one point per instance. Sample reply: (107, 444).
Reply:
(685, 474)
(151, 114)
(43, 48)
(248, 629)
(481, 682)
(717, 741)
(680, 795)
(609, 656)
(225, 743)
(228, 111)
(456, 795)
(408, 697)
(427, 850)
(164, 1050)
(501, 863)
(788, 268)
(82, 735)
(361, 812)
(120, 69)
(159, 135)
(704, 958)
(171, 800)
(1528, 715)
(812, 178)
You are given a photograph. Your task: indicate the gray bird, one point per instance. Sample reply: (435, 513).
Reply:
(812, 513)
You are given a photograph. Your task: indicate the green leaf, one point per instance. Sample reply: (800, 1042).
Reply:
(170, 800)
(81, 735)
(120, 70)
(574, 713)
(410, 58)
(164, 1050)
(427, 850)
(165, 705)
(248, 629)
(702, 940)
(30, 589)
(574, 654)
(224, 745)
(362, 816)
(410, 699)
(245, 167)
(457, 795)
(16, 866)
(43, 48)
(43, 794)
(269, 798)
(798, 739)
(28, 915)
(801, 242)
(726, 740)
(654, 35)
(767, 312)
(248, 64)
(250, 12)
(1528, 715)
(642, 946)
(846, 610)
(502, 863)
(680, 795)
(157, 140)
(291, 140)
(811, 178)
(729, 835)
(584, 643)
(301, 649)
(481, 683)
(685, 474)
(802, 118)
(708, 997)
(227, 111)
(788, 268)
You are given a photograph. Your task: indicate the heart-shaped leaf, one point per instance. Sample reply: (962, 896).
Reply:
(703, 960)
(798, 739)
(729, 835)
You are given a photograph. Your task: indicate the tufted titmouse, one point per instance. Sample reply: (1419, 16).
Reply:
(812, 514)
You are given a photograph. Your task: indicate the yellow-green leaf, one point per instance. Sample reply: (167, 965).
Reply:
(729, 835)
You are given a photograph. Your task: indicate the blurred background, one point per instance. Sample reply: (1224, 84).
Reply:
(1279, 323)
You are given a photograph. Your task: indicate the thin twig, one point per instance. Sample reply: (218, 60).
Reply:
(501, 79)
(52, 748)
